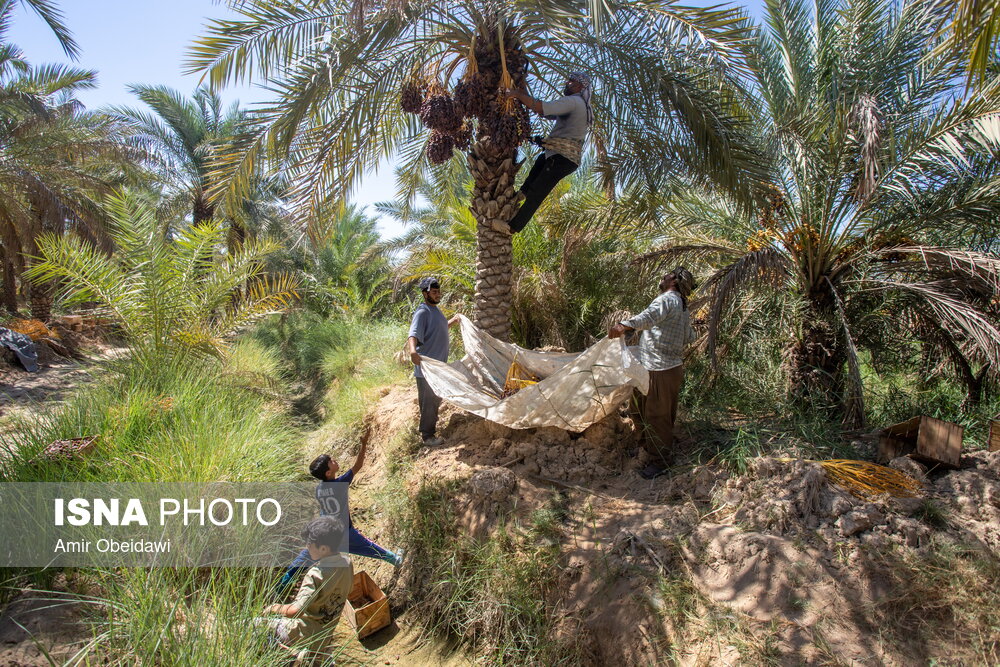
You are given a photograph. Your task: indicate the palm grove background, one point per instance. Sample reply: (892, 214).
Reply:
(830, 176)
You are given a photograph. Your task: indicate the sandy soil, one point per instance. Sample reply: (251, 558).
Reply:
(780, 547)
(23, 393)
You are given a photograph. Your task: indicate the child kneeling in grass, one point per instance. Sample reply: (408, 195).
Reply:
(324, 589)
(325, 469)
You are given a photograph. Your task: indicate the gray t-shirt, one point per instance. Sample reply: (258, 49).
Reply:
(430, 328)
(570, 114)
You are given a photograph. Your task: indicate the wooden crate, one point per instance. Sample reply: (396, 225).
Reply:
(994, 443)
(932, 441)
(367, 607)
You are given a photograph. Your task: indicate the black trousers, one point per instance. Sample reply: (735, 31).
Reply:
(544, 175)
(429, 404)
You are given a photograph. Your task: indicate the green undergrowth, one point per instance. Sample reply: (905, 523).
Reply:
(895, 398)
(336, 361)
(361, 370)
(301, 340)
(492, 592)
(188, 616)
(167, 422)
(362, 367)
(737, 412)
(190, 422)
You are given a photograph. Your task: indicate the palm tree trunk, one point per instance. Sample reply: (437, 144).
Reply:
(236, 236)
(40, 301)
(8, 297)
(203, 209)
(817, 358)
(39, 293)
(493, 204)
(494, 201)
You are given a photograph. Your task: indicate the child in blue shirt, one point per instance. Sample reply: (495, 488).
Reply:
(325, 469)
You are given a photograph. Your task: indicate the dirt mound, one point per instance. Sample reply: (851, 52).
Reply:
(597, 453)
(796, 499)
(489, 495)
(972, 494)
(395, 413)
(711, 567)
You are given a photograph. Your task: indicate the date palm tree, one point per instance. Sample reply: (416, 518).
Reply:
(49, 12)
(172, 295)
(55, 159)
(185, 133)
(880, 169)
(975, 27)
(664, 73)
(56, 162)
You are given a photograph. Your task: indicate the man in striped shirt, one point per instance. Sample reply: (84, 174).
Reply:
(666, 330)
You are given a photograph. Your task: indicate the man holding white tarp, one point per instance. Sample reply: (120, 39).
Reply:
(428, 337)
(666, 330)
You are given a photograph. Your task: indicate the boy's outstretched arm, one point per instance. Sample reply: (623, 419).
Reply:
(286, 610)
(360, 460)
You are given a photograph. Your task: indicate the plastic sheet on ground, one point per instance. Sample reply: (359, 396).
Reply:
(575, 391)
(22, 347)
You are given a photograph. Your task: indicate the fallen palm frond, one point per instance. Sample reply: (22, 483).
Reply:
(34, 329)
(863, 478)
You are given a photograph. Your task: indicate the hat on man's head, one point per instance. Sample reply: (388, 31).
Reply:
(685, 281)
(429, 282)
(585, 92)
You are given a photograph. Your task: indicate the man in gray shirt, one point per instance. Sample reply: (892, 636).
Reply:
(428, 337)
(666, 330)
(563, 146)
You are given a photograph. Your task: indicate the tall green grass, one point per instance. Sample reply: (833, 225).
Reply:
(355, 370)
(301, 340)
(361, 366)
(316, 353)
(492, 593)
(172, 422)
(175, 422)
(184, 617)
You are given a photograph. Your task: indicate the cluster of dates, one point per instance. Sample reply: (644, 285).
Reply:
(478, 104)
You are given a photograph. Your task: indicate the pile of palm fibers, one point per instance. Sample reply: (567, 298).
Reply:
(863, 478)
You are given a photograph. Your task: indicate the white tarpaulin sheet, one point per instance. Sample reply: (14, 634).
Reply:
(575, 391)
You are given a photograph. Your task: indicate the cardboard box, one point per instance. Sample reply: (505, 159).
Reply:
(994, 442)
(929, 440)
(367, 607)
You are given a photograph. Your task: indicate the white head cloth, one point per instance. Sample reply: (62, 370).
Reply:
(584, 80)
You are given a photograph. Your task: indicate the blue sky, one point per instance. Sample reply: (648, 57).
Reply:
(145, 41)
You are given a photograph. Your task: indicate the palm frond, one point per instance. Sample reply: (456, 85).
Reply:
(764, 267)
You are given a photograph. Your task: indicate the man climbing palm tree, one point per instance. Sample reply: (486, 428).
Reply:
(563, 146)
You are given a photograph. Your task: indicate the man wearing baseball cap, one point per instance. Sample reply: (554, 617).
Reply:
(428, 338)
(563, 147)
